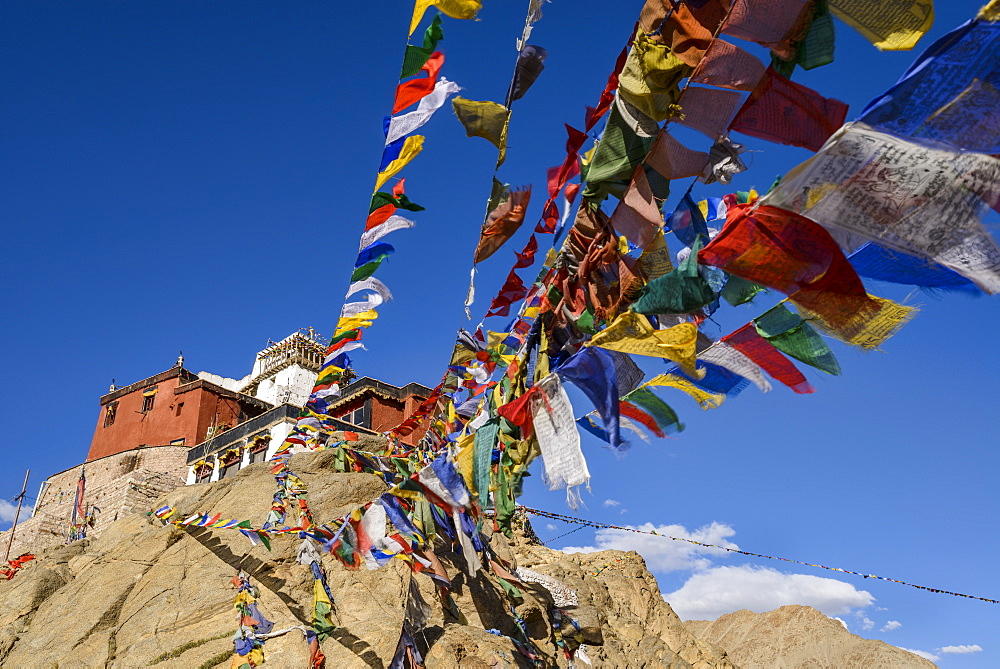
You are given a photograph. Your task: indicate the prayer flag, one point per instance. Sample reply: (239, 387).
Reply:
(727, 66)
(410, 92)
(456, 9)
(766, 22)
(413, 145)
(782, 111)
(484, 119)
(633, 333)
(416, 56)
(502, 223)
(794, 337)
(530, 63)
(891, 25)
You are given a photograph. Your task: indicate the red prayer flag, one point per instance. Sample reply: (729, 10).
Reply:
(782, 111)
(747, 341)
(794, 255)
(766, 22)
(709, 110)
(526, 257)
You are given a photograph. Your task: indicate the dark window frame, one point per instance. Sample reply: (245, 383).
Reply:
(109, 414)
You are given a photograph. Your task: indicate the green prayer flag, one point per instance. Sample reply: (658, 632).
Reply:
(815, 49)
(367, 269)
(794, 337)
(739, 291)
(682, 291)
(482, 457)
(380, 199)
(416, 56)
(618, 152)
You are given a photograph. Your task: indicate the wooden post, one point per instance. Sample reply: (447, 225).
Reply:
(17, 514)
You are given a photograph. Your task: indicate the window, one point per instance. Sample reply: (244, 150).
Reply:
(203, 473)
(178, 442)
(180, 407)
(360, 416)
(148, 396)
(258, 448)
(109, 414)
(229, 464)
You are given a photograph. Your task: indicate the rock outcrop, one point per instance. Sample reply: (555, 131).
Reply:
(799, 636)
(144, 594)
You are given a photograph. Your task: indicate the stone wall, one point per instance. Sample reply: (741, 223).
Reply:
(116, 484)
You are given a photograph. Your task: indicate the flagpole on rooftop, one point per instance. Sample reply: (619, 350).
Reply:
(17, 514)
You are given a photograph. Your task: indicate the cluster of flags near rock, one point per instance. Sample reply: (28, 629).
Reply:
(897, 195)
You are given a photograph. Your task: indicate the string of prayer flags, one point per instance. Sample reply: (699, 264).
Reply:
(874, 185)
(633, 333)
(248, 648)
(597, 525)
(488, 120)
(891, 25)
(747, 341)
(948, 93)
(794, 337)
(502, 221)
(780, 110)
(456, 9)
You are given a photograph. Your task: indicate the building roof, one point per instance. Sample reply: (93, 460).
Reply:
(367, 385)
(188, 381)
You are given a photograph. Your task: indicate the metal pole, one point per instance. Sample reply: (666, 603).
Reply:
(17, 514)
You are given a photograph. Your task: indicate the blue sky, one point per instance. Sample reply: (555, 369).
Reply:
(195, 176)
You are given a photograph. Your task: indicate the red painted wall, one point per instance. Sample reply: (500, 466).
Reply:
(180, 411)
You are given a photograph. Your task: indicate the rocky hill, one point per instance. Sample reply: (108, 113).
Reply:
(144, 594)
(799, 636)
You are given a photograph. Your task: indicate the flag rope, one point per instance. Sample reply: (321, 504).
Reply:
(593, 523)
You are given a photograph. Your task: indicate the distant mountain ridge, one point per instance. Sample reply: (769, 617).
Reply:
(798, 637)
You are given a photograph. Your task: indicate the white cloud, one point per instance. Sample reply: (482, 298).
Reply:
(550, 527)
(8, 509)
(867, 623)
(891, 625)
(660, 553)
(719, 590)
(962, 650)
(611, 502)
(922, 653)
(841, 621)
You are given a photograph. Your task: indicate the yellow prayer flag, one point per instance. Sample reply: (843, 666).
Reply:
(486, 119)
(990, 11)
(362, 320)
(413, 145)
(866, 328)
(465, 460)
(633, 333)
(891, 25)
(456, 9)
(705, 399)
